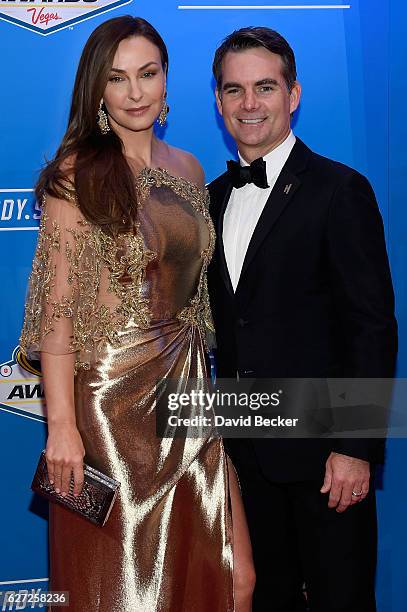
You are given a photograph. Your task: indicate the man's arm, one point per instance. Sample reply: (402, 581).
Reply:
(363, 293)
(361, 280)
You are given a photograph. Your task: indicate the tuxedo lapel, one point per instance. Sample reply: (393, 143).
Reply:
(284, 189)
(223, 196)
(282, 193)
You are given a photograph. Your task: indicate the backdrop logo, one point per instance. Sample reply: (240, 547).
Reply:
(21, 389)
(19, 210)
(48, 16)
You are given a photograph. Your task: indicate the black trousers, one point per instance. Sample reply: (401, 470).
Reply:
(297, 539)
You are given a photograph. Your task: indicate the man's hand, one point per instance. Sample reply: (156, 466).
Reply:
(345, 476)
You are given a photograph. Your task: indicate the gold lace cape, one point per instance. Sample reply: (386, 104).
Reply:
(75, 263)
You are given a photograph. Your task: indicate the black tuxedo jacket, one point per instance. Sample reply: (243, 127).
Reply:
(314, 298)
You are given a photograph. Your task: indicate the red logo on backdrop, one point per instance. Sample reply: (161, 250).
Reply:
(48, 16)
(42, 17)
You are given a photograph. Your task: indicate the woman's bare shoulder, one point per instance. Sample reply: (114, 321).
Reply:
(185, 164)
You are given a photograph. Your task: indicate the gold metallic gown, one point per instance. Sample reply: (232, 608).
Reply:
(135, 310)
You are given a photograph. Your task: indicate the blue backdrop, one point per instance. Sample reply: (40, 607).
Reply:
(351, 65)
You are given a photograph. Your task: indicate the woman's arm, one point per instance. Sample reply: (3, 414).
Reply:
(64, 450)
(48, 333)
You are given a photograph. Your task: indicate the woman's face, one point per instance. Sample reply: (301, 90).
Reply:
(136, 85)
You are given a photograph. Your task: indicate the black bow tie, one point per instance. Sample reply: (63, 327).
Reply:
(255, 173)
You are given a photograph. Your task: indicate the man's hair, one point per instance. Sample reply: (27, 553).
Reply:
(250, 38)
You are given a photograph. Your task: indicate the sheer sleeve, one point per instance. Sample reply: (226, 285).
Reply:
(62, 264)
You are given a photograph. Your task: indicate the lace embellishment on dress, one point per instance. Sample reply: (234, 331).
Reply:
(198, 311)
(86, 252)
(127, 258)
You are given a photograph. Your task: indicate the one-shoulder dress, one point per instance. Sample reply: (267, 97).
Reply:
(135, 311)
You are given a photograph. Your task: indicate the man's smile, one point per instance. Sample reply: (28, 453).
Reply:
(252, 121)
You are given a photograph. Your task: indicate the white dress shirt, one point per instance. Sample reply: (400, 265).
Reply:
(245, 207)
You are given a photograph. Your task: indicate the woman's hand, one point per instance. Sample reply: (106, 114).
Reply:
(64, 454)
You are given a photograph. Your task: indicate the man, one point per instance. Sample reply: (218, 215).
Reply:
(300, 287)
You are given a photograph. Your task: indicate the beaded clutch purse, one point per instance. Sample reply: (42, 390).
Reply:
(96, 499)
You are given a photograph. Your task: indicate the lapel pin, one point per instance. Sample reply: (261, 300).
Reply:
(287, 188)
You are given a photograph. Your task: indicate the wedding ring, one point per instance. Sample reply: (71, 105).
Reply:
(357, 494)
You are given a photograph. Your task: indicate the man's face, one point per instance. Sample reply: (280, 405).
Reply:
(254, 100)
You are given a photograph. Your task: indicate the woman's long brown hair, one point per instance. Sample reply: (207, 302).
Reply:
(103, 182)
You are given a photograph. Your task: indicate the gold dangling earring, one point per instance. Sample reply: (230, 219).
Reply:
(102, 120)
(162, 117)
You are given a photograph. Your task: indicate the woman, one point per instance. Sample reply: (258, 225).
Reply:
(118, 302)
